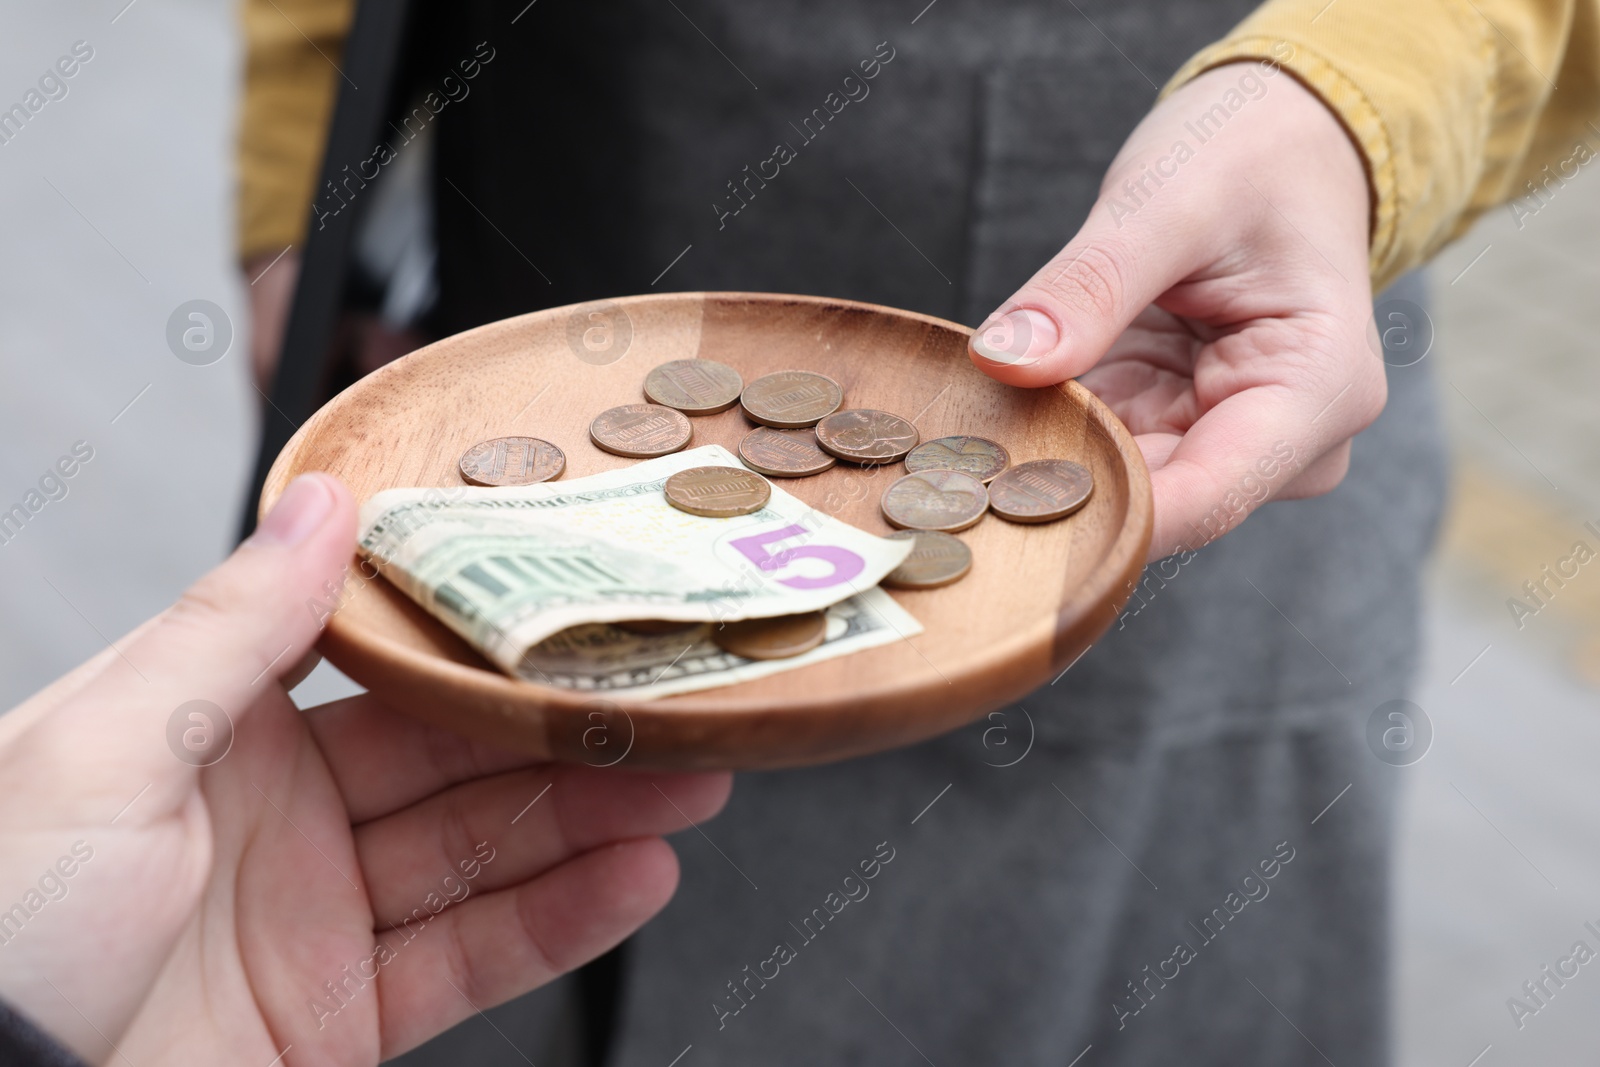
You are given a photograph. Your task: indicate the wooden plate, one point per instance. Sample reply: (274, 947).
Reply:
(1036, 598)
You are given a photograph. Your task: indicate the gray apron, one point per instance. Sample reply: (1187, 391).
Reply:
(1138, 864)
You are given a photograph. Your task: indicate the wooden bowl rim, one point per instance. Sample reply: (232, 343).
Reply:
(1086, 613)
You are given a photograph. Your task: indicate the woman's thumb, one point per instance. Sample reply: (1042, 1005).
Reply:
(1064, 319)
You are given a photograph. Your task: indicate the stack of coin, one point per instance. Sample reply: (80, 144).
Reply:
(1042, 490)
(949, 485)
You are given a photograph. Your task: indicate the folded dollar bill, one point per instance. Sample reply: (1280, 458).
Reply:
(507, 568)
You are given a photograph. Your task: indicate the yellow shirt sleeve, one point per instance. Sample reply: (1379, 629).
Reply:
(1454, 104)
(291, 79)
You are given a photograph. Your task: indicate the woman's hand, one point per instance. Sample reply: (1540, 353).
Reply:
(332, 887)
(271, 283)
(1217, 299)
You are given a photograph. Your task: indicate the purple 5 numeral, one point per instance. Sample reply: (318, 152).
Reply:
(845, 563)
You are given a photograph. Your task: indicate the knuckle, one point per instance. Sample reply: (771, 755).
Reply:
(528, 922)
(1093, 281)
(1322, 342)
(1344, 367)
(1329, 471)
(450, 756)
(1338, 468)
(207, 610)
(459, 960)
(208, 601)
(1324, 476)
(567, 838)
(456, 838)
(1374, 392)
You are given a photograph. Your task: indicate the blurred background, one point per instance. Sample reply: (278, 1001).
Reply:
(115, 209)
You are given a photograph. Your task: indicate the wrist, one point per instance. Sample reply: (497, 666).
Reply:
(1237, 151)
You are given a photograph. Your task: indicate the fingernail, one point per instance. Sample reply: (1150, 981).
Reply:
(305, 504)
(1018, 338)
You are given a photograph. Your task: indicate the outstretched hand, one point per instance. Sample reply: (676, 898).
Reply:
(1217, 299)
(331, 887)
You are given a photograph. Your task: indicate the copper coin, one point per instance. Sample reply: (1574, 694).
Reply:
(791, 399)
(776, 638)
(784, 453)
(511, 461)
(640, 431)
(718, 492)
(935, 500)
(865, 435)
(694, 386)
(1042, 490)
(977, 456)
(937, 559)
(655, 627)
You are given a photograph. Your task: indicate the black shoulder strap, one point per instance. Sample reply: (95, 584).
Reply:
(369, 66)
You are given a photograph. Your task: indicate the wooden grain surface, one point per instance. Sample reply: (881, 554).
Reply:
(1037, 596)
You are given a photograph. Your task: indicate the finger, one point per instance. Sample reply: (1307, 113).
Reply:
(1170, 213)
(301, 670)
(488, 950)
(1066, 317)
(383, 761)
(1321, 477)
(525, 823)
(1251, 446)
(224, 644)
(1146, 377)
(1157, 448)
